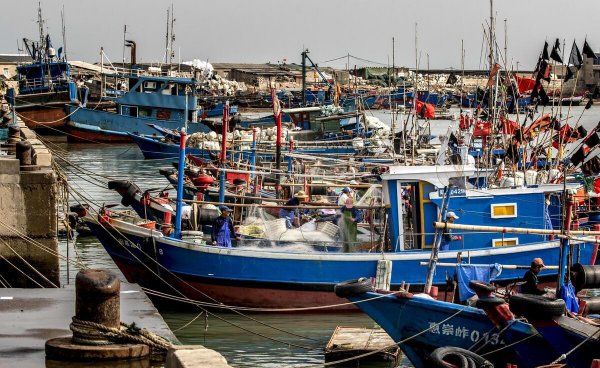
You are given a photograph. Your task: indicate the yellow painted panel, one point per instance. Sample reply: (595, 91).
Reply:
(504, 210)
(505, 243)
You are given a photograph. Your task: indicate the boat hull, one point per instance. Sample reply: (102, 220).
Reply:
(425, 324)
(283, 275)
(88, 126)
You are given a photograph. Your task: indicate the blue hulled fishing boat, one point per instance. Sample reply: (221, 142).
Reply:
(162, 100)
(279, 276)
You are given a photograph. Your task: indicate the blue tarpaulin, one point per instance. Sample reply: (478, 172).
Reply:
(567, 293)
(479, 272)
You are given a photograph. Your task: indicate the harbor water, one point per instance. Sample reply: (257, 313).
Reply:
(297, 340)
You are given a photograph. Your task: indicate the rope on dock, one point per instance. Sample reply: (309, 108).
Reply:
(91, 333)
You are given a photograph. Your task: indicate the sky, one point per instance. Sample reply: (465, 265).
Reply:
(262, 31)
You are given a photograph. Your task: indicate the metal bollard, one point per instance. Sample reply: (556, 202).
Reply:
(97, 297)
(97, 300)
(14, 134)
(24, 153)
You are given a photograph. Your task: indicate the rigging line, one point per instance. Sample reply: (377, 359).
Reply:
(336, 59)
(368, 61)
(21, 271)
(39, 245)
(29, 264)
(189, 323)
(44, 123)
(179, 292)
(252, 309)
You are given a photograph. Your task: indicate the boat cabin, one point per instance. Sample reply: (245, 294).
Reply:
(41, 77)
(160, 98)
(423, 190)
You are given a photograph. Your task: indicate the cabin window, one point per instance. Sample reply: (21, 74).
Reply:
(129, 110)
(506, 242)
(163, 115)
(504, 210)
(144, 112)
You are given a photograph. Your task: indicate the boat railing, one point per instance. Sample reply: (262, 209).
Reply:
(138, 72)
(36, 83)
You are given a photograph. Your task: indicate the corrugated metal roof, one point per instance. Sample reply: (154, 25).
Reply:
(15, 58)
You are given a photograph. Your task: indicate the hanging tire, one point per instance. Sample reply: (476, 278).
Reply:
(487, 303)
(166, 171)
(450, 356)
(536, 307)
(118, 184)
(353, 287)
(481, 287)
(586, 276)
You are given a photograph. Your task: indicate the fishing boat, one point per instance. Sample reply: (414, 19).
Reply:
(280, 276)
(542, 335)
(44, 86)
(150, 99)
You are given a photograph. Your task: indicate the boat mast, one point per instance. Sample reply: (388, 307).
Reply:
(64, 32)
(180, 173)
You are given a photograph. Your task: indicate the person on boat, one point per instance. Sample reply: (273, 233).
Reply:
(531, 280)
(222, 228)
(346, 193)
(290, 214)
(348, 223)
(447, 237)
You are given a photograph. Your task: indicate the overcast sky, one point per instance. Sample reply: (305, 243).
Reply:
(271, 30)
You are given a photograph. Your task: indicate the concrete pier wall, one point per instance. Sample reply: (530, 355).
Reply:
(28, 200)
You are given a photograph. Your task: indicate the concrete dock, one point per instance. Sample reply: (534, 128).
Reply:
(32, 316)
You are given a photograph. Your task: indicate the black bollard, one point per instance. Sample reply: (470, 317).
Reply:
(24, 153)
(14, 134)
(97, 297)
(97, 300)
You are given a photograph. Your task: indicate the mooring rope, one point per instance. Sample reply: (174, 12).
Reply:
(92, 333)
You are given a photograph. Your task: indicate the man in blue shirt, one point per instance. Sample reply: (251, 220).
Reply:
(447, 236)
(222, 228)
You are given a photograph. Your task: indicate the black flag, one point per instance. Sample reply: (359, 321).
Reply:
(589, 104)
(555, 54)
(575, 57)
(452, 79)
(587, 50)
(593, 140)
(578, 157)
(544, 99)
(569, 74)
(545, 52)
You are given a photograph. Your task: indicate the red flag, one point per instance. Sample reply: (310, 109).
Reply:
(425, 110)
(509, 126)
(524, 84)
(493, 73)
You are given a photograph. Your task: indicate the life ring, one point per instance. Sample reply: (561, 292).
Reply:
(353, 287)
(450, 356)
(536, 307)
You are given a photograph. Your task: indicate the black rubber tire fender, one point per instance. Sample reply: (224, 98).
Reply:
(118, 184)
(353, 287)
(481, 287)
(486, 303)
(166, 171)
(536, 307)
(453, 356)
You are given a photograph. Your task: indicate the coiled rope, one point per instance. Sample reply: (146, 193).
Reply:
(91, 333)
